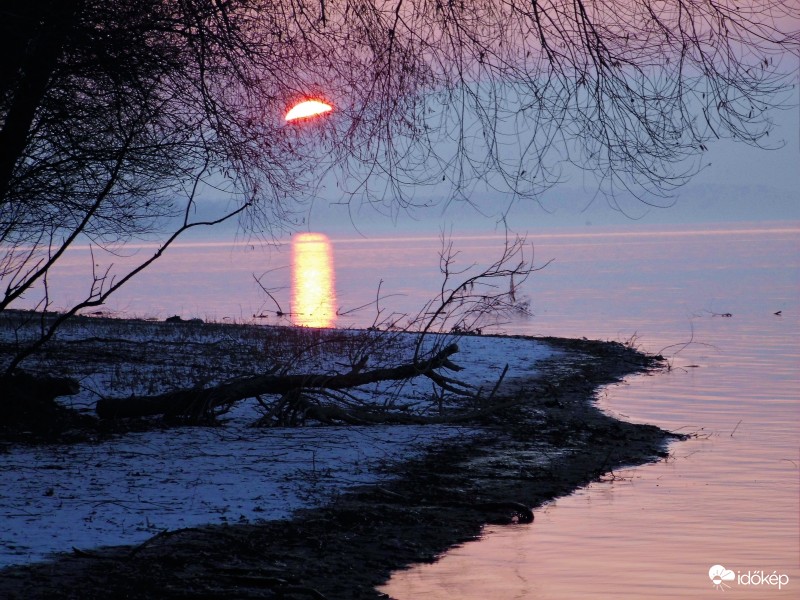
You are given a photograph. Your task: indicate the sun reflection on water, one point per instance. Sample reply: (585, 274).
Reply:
(313, 290)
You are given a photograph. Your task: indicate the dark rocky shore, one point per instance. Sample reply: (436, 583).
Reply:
(546, 446)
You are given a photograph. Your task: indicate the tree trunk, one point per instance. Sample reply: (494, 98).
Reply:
(37, 51)
(197, 403)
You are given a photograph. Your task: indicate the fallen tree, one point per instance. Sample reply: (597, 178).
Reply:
(198, 405)
(323, 396)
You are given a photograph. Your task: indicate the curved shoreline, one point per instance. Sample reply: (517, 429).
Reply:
(552, 443)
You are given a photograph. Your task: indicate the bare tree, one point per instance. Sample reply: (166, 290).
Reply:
(394, 351)
(117, 117)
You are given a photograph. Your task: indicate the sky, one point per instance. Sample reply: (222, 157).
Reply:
(737, 183)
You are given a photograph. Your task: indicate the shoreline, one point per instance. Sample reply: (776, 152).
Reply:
(553, 442)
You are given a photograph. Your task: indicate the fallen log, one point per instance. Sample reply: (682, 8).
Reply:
(196, 404)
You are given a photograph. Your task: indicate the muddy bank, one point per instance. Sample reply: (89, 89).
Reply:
(546, 446)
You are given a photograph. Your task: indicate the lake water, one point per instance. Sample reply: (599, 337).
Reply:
(730, 496)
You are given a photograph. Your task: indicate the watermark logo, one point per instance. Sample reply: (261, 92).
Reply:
(720, 577)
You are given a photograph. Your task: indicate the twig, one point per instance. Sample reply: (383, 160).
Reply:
(497, 385)
(279, 312)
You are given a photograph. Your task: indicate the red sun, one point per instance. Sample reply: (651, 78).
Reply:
(307, 109)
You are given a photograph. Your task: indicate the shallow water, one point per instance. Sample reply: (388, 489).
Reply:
(729, 496)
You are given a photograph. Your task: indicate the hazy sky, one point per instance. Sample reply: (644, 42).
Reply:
(739, 183)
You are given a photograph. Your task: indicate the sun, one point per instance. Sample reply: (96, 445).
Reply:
(306, 109)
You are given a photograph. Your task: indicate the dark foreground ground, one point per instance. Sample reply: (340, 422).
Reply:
(548, 445)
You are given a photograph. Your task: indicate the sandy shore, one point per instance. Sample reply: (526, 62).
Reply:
(545, 446)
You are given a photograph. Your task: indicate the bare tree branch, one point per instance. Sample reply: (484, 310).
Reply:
(198, 403)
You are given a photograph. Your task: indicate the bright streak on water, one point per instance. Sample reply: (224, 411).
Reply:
(313, 289)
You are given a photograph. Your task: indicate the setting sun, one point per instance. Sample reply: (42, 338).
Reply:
(306, 109)
(313, 291)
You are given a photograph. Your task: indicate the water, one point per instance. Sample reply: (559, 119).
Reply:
(729, 496)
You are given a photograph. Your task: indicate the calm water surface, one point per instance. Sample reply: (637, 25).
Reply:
(729, 496)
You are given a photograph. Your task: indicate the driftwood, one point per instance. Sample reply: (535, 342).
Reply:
(196, 404)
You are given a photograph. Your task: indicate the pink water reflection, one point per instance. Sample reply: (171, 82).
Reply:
(729, 497)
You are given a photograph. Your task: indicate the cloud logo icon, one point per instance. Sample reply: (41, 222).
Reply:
(719, 574)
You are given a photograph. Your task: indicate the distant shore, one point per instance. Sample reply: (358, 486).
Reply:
(550, 443)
